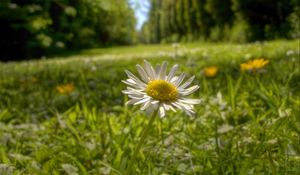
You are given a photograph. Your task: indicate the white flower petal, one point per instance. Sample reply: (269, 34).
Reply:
(154, 102)
(189, 90)
(151, 108)
(132, 83)
(131, 102)
(162, 111)
(162, 71)
(136, 79)
(128, 83)
(189, 112)
(126, 92)
(178, 81)
(142, 73)
(190, 101)
(184, 106)
(133, 91)
(187, 83)
(173, 109)
(157, 69)
(176, 105)
(172, 72)
(143, 100)
(149, 69)
(146, 105)
(173, 79)
(166, 107)
(135, 96)
(137, 91)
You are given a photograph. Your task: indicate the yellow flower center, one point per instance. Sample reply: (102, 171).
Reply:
(162, 90)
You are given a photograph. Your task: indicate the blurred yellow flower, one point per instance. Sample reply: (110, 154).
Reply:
(254, 65)
(65, 89)
(210, 71)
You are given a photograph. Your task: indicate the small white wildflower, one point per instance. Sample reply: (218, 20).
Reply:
(156, 90)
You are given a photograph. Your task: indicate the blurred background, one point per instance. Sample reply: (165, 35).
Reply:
(62, 110)
(42, 28)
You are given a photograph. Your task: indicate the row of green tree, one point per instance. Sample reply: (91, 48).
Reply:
(33, 28)
(221, 20)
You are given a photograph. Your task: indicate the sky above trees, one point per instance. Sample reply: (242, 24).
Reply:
(141, 9)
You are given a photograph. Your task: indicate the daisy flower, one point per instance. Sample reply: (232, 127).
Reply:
(155, 90)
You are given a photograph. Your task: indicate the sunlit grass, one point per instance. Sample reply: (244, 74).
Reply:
(246, 124)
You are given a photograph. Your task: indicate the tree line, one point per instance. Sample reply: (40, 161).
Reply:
(34, 28)
(221, 20)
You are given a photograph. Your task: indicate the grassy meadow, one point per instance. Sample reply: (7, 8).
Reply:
(67, 115)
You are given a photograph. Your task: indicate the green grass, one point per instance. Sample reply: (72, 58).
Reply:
(246, 124)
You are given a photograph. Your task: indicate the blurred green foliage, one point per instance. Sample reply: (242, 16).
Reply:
(221, 20)
(34, 28)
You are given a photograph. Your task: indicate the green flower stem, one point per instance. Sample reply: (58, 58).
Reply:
(143, 138)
